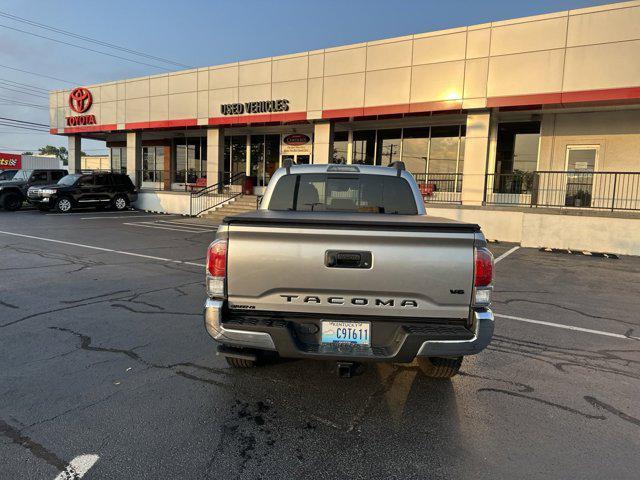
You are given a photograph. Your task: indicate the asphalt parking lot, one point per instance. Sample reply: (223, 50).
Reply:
(105, 363)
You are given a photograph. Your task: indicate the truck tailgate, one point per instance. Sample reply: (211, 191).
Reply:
(420, 266)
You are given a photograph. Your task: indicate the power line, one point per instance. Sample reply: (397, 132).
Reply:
(24, 127)
(6, 81)
(24, 122)
(82, 48)
(34, 94)
(38, 74)
(89, 39)
(25, 104)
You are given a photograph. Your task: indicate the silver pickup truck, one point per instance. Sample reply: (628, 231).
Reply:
(340, 262)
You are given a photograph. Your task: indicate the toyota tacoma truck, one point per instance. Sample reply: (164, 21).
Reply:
(340, 262)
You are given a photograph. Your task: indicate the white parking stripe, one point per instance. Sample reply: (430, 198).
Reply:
(150, 257)
(566, 327)
(93, 213)
(127, 217)
(505, 254)
(178, 222)
(78, 467)
(160, 227)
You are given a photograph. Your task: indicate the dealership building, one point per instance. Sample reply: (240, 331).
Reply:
(521, 125)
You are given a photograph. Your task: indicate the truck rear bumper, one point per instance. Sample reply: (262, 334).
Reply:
(276, 336)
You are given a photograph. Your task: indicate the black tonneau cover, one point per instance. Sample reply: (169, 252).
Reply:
(376, 221)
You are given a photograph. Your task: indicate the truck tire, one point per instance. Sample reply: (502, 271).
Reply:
(440, 367)
(240, 362)
(63, 205)
(11, 202)
(120, 202)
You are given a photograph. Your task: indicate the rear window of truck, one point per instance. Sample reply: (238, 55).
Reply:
(326, 192)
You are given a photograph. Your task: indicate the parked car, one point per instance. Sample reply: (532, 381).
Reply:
(342, 263)
(99, 189)
(13, 189)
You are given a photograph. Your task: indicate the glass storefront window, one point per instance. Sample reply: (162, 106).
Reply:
(415, 149)
(190, 160)
(265, 158)
(152, 164)
(517, 147)
(235, 157)
(443, 152)
(388, 146)
(364, 146)
(340, 147)
(119, 159)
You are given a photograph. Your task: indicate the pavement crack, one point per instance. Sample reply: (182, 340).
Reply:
(8, 305)
(542, 401)
(147, 312)
(522, 387)
(605, 406)
(568, 309)
(80, 300)
(37, 449)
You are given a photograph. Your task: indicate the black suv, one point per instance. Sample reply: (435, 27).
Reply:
(14, 185)
(98, 189)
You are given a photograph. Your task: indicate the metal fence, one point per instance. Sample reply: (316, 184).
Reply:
(440, 187)
(575, 189)
(210, 197)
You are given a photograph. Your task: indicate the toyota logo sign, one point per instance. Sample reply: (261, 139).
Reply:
(80, 100)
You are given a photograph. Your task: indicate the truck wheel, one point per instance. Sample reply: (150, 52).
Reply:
(11, 202)
(240, 362)
(440, 367)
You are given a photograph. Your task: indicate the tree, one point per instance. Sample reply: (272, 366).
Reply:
(27, 153)
(60, 152)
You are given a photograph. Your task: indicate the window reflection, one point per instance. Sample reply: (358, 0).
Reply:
(364, 145)
(388, 146)
(340, 147)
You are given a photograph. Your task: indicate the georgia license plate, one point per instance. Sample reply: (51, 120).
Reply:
(358, 333)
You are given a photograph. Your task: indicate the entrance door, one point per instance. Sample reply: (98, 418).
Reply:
(265, 156)
(581, 162)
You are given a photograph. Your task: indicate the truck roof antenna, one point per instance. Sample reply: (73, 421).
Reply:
(397, 165)
(287, 163)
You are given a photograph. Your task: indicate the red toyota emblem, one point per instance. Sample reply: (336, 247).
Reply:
(80, 99)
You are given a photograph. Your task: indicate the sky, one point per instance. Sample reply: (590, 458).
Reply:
(198, 33)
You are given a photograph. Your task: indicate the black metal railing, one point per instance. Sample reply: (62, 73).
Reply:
(576, 189)
(217, 194)
(440, 187)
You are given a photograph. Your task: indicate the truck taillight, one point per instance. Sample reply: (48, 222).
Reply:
(482, 277)
(217, 268)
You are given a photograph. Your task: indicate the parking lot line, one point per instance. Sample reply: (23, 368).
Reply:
(178, 222)
(102, 249)
(127, 217)
(506, 254)
(566, 327)
(78, 467)
(161, 227)
(94, 213)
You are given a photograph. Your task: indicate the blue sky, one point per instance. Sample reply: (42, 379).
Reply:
(202, 33)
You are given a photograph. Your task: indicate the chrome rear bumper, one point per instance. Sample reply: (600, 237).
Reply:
(483, 332)
(236, 338)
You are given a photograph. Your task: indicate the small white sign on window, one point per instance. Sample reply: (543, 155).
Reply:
(580, 165)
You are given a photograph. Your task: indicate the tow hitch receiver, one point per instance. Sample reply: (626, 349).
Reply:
(346, 369)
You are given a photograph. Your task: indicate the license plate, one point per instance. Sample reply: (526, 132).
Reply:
(358, 333)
